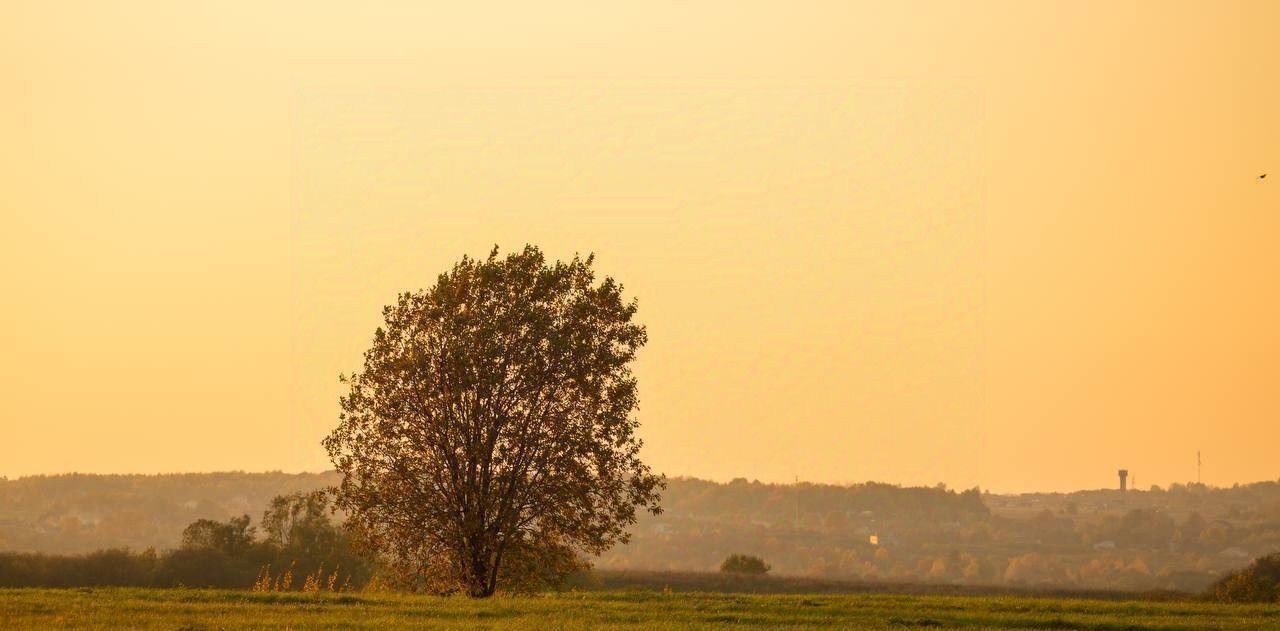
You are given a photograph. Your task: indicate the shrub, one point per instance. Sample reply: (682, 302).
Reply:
(744, 564)
(1258, 583)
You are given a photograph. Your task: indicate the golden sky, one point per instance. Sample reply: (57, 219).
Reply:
(1009, 244)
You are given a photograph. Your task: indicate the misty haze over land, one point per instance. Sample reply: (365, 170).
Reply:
(1183, 537)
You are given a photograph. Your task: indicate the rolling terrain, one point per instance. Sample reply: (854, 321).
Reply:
(1180, 538)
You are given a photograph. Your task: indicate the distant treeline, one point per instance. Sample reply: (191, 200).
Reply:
(300, 548)
(78, 513)
(1184, 537)
(783, 502)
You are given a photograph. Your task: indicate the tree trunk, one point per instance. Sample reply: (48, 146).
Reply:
(480, 583)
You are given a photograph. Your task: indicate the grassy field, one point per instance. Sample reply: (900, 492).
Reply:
(729, 583)
(190, 610)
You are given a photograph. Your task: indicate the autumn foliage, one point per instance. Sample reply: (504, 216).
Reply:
(489, 438)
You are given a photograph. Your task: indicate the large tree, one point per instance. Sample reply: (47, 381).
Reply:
(490, 437)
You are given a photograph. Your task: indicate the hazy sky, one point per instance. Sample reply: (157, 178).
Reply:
(1009, 244)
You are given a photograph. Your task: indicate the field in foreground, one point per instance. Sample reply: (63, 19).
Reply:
(214, 609)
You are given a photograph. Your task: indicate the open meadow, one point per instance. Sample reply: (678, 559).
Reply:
(573, 315)
(170, 609)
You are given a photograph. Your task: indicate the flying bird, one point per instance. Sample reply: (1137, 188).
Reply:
(1262, 177)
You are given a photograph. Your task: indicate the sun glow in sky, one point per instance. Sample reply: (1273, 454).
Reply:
(1009, 244)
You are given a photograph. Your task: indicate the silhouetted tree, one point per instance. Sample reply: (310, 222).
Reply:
(744, 564)
(300, 521)
(492, 422)
(232, 538)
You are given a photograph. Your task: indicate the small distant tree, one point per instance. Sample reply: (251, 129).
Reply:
(300, 521)
(744, 564)
(232, 538)
(299, 534)
(490, 437)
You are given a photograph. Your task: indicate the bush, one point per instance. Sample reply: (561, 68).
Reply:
(1258, 583)
(114, 568)
(744, 564)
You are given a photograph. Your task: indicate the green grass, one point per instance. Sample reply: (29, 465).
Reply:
(174, 609)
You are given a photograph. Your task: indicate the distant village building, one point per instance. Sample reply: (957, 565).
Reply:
(874, 540)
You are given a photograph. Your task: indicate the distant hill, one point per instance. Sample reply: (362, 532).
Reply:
(79, 513)
(1184, 537)
(75, 513)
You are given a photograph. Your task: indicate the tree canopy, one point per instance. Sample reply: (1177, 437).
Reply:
(744, 564)
(490, 436)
